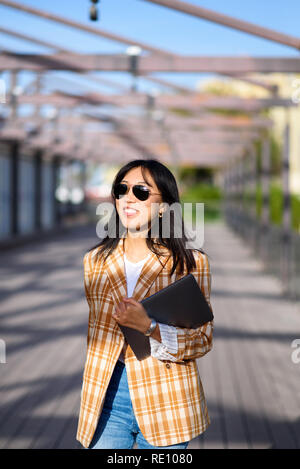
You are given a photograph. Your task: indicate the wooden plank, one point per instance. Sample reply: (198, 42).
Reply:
(231, 22)
(279, 331)
(43, 337)
(121, 63)
(250, 382)
(215, 436)
(256, 296)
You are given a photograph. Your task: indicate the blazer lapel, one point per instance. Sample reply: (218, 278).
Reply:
(116, 272)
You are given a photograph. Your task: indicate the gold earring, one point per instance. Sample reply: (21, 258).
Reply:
(160, 214)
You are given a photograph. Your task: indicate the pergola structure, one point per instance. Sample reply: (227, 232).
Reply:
(180, 127)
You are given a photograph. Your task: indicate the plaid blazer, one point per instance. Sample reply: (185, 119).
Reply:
(167, 396)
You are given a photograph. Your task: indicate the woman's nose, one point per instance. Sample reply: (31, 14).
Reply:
(130, 195)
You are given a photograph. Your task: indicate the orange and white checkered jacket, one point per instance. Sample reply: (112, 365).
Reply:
(167, 396)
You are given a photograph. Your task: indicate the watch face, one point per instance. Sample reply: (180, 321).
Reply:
(151, 328)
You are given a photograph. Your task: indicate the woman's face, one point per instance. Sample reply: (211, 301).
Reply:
(133, 212)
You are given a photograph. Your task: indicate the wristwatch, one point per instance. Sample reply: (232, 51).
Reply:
(151, 328)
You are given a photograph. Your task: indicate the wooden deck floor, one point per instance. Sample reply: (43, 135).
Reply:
(250, 381)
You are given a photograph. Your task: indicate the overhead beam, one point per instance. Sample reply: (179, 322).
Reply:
(193, 103)
(180, 129)
(272, 88)
(102, 33)
(58, 48)
(54, 99)
(209, 149)
(211, 121)
(101, 80)
(121, 63)
(123, 145)
(195, 145)
(83, 27)
(225, 20)
(253, 81)
(92, 78)
(112, 84)
(216, 136)
(204, 101)
(168, 84)
(224, 137)
(26, 37)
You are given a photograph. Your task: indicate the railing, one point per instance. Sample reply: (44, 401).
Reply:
(278, 249)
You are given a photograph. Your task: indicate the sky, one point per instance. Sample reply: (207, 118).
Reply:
(152, 24)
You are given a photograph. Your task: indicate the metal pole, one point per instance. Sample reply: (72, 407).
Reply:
(265, 186)
(236, 194)
(38, 190)
(13, 94)
(286, 228)
(243, 187)
(251, 194)
(225, 188)
(265, 172)
(286, 180)
(56, 162)
(231, 191)
(38, 89)
(14, 188)
(251, 188)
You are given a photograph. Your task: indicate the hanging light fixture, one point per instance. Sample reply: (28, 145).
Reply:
(133, 53)
(94, 10)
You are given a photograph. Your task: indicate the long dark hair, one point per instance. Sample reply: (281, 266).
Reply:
(167, 186)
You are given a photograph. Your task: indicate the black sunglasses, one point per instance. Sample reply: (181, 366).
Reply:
(139, 191)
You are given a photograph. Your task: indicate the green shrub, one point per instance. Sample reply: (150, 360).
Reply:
(276, 206)
(211, 196)
(208, 194)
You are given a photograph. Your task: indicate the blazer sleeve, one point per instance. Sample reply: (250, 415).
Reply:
(87, 266)
(195, 343)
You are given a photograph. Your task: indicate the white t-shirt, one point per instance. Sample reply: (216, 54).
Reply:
(133, 270)
(168, 333)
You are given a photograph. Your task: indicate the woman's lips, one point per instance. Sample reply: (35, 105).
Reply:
(130, 212)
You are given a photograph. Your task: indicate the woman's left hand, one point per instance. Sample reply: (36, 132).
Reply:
(131, 313)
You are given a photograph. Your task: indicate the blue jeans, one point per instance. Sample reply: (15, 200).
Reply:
(117, 427)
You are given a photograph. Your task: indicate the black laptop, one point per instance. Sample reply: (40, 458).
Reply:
(180, 304)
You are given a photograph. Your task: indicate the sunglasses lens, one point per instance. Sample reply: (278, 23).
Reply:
(120, 190)
(141, 192)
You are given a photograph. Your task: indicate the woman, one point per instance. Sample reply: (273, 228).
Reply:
(157, 402)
